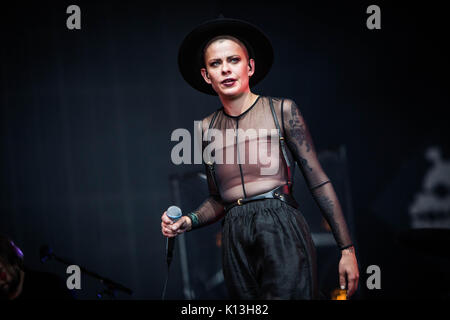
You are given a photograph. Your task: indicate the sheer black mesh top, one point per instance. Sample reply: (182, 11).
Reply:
(248, 160)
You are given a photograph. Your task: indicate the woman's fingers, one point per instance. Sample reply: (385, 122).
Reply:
(167, 229)
(167, 232)
(352, 283)
(165, 218)
(173, 228)
(348, 273)
(178, 225)
(167, 226)
(342, 281)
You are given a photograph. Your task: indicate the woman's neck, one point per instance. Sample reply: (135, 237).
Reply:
(235, 106)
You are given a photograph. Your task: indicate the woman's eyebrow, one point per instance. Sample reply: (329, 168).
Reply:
(218, 59)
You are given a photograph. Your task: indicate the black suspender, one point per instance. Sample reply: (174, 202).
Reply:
(282, 141)
(291, 169)
(209, 163)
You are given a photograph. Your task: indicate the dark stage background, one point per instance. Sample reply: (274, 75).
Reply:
(86, 118)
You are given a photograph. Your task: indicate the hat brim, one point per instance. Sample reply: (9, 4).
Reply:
(190, 52)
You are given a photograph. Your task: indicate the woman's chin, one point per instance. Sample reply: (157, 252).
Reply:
(229, 92)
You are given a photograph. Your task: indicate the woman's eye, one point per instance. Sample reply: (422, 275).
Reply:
(215, 63)
(235, 59)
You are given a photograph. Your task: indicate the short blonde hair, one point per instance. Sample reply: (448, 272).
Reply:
(221, 38)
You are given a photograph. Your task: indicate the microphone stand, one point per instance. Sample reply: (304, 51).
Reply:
(111, 286)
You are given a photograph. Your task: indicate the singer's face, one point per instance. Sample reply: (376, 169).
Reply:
(227, 67)
(9, 280)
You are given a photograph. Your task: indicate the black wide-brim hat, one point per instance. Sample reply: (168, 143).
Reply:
(190, 54)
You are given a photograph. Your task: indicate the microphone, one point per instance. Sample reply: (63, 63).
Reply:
(174, 213)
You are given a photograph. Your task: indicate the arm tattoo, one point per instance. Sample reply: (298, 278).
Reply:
(327, 207)
(298, 136)
(304, 163)
(298, 131)
(350, 250)
(326, 204)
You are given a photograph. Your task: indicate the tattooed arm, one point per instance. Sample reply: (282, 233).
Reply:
(300, 143)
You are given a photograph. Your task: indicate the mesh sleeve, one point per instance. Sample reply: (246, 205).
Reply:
(212, 208)
(301, 145)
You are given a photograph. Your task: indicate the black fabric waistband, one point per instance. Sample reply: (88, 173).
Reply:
(281, 193)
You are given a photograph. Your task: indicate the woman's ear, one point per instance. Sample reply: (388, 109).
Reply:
(205, 75)
(251, 67)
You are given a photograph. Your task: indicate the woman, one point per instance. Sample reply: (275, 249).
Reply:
(268, 252)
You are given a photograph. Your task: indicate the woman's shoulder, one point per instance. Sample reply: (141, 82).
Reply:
(286, 102)
(279, 98)
(207, 120)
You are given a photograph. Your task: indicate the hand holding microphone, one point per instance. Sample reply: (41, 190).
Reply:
(172, 226)
(173, 223)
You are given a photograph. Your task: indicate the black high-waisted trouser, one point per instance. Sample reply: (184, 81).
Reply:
(268, 252)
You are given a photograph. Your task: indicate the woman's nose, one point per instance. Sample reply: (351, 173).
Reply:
(225, 68)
